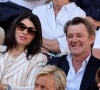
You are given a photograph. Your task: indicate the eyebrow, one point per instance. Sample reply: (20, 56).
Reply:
(26, 25)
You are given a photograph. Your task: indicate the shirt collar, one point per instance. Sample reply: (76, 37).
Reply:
(69, 59)
(67, 6)
(70, 6)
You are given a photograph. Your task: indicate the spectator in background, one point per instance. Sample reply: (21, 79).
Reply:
(8, 12)
(53, 17)
(30, 4)
(92, 9)
(21, 60)
(10, 9)
(80, 65)
(50, 78)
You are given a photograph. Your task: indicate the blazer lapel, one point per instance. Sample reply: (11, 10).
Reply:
(89, 74)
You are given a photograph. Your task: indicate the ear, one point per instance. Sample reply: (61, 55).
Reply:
(92, 38)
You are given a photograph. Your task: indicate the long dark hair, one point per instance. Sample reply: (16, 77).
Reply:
(35, 45)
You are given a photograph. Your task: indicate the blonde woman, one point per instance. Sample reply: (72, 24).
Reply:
(50, 78)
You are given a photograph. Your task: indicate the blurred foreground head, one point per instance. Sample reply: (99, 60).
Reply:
(50, 78)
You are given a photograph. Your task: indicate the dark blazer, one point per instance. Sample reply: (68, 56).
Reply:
(88, 80)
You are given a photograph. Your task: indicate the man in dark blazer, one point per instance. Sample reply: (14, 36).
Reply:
(80, 65)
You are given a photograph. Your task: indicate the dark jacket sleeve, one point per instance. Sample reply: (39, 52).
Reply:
(60, 62)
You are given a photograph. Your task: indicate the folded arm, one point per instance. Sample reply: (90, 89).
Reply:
(51, 45)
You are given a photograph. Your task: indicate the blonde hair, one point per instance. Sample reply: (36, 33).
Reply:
(58, 75)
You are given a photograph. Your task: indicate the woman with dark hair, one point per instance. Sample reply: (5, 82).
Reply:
(22, 59)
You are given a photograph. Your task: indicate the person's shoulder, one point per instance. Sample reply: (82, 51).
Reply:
(40, 55)
(39, 58)
(95, 60)
(39, 8)
(74, 8)
(93, 57)
(78, 8)
(80, 13)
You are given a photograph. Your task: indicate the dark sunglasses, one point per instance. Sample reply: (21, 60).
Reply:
(22, 27)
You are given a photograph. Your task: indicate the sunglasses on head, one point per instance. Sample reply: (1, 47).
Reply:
(30, 30)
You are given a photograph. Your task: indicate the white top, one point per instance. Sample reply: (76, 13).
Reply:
(74, 78)
(30, 4)
(22, 72)
(52, 27)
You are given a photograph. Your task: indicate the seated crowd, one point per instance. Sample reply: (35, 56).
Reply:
(49, 46)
